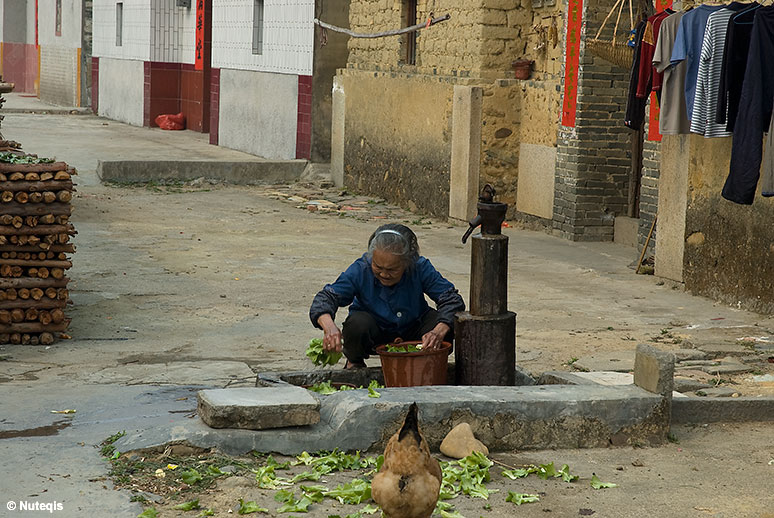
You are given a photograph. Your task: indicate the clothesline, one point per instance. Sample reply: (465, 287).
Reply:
(710, 69)
(395, 32)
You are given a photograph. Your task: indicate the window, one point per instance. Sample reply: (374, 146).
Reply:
(119, 23)
(410, 42)
(58, 22)
(258, 27)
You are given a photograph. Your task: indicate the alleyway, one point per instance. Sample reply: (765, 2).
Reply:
(205, 284)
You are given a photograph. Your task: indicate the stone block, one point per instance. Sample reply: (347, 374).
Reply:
(654, 369)
(466, 151)
(619, 361)
(258, 408)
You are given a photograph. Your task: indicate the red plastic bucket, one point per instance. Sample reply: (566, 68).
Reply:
(414, 369)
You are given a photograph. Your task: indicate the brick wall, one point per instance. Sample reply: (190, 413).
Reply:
(594, 158)
(651, 166)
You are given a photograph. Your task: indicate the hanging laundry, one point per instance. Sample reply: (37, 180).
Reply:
(690, 37)
(734, 64)
(710, 69)
(767, 170)
(673, 119)
(755, 106)
(635, 106)
(649, 79)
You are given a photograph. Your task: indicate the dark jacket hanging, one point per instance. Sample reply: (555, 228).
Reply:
(754, 111)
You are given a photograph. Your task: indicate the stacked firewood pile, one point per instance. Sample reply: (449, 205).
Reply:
(35, 233)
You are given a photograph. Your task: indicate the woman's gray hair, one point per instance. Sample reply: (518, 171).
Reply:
(396, 239)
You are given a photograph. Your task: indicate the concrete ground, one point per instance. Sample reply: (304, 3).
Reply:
(183, 286)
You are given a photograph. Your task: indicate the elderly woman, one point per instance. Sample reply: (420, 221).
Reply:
(385, 290)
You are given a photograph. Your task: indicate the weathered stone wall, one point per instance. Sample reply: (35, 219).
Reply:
(475, 47)
(594, 157)
(397, 138)
(729, 254)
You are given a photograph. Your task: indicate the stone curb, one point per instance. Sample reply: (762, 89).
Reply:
(234, 172)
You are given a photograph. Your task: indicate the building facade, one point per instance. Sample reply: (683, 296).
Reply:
(244, 71)
(18, 45)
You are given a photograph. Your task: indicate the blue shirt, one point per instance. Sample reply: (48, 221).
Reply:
(690, 36)
(395, 308)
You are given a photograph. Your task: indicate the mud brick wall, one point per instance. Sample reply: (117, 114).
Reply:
(475, 47)
(594, 157)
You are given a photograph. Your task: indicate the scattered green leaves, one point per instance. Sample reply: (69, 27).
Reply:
(566, 475)
(598, 484)
(372, 389)
(324, 388)
(320, 356)
(13, 158)
(188, 506)
(521, 498)
(517, 473)
(108, 450)
(250, 507)
(150, 512)
(191, 476)
(296, 506)
(466, 476)
(353, 492)
(451, 514)
(544, 471)
(207, 512)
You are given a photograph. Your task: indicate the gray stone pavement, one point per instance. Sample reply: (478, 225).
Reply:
(201, 285)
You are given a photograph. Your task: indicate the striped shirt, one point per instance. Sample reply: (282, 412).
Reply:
(710, 70)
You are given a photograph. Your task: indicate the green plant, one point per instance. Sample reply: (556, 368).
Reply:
(319, 355)
(108, 450)
(404, 348)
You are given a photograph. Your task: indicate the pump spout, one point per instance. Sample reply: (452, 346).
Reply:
(473, 224)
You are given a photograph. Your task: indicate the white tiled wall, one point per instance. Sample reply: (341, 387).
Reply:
(173, 38)
(136, 31)
(71, 24)
(288, 37)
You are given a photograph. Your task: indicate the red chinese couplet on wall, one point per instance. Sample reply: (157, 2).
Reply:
(653, 132)
(572, 58)
(653, 120)
(199, 62)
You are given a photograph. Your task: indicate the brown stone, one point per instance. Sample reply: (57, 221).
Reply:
(460, 442)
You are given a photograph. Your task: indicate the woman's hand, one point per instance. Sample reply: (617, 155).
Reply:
(332, 336)
(433, 339)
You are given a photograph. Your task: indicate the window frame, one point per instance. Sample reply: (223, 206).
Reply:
(258, 22)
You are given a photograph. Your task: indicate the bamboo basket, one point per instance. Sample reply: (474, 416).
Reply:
(617, 53)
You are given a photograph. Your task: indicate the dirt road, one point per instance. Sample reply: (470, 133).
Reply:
(207, 284)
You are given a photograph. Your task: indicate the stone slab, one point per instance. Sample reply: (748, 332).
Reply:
(203, 373)
(689, 354)
(234, 172)
(689, 384)
(620, 361)
(258, 408)
(726, 410)
(503, 418)
(722, 341)
(717, 392)
(588, 378)
(727, 367)
(654, 369)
